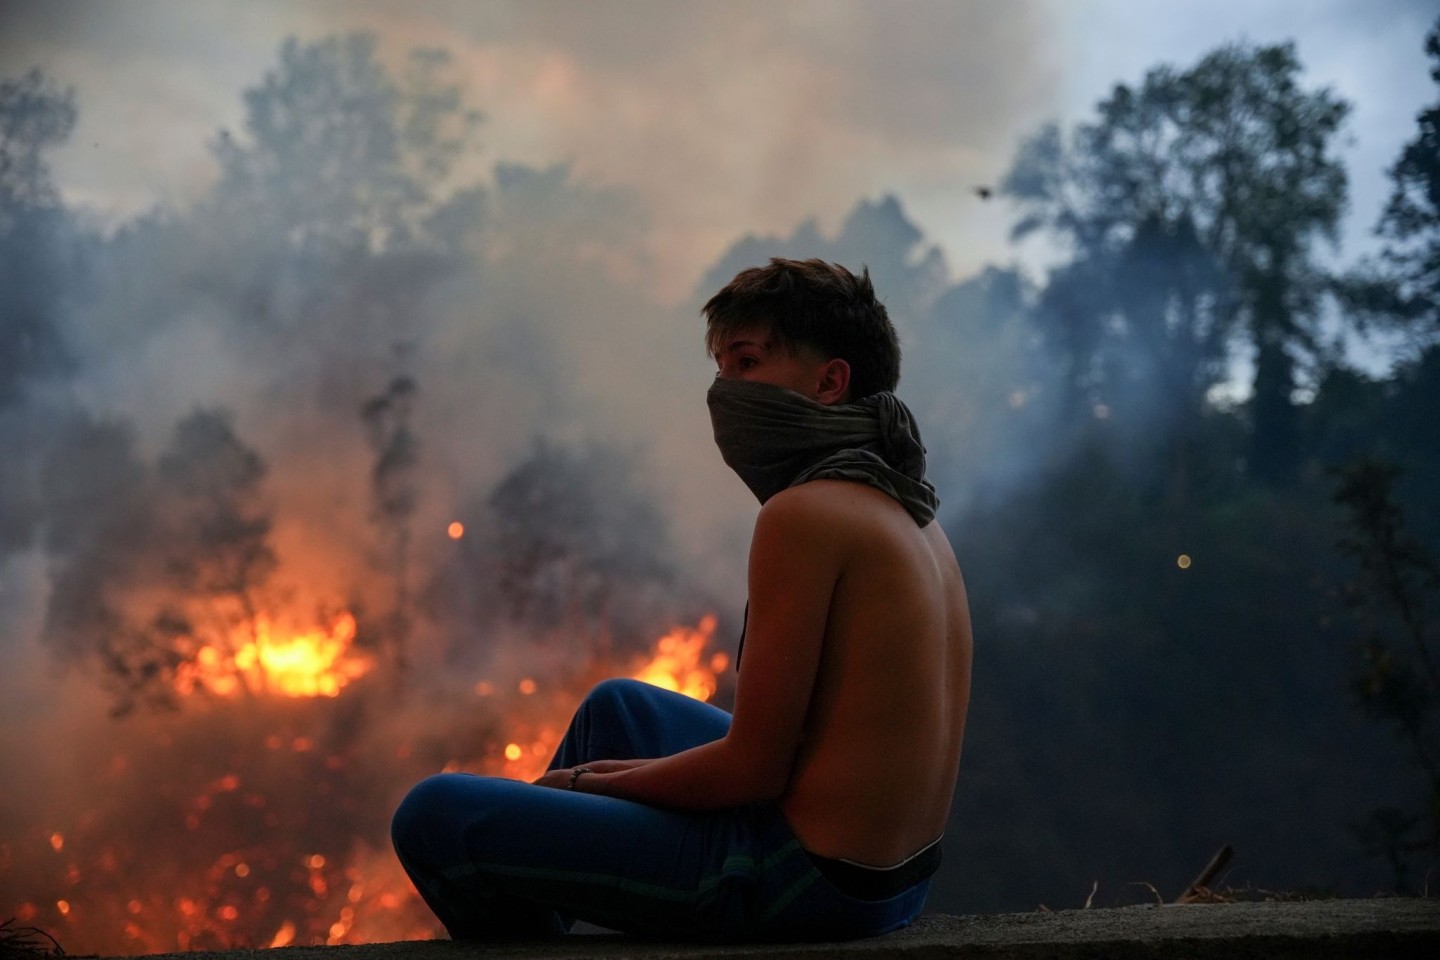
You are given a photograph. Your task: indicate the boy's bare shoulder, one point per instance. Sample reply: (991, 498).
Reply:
(833, 514)
(832, 501)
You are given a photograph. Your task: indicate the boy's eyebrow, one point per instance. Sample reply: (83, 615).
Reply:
(734, 345)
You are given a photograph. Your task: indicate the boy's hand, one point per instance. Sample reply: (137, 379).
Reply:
(560, 779)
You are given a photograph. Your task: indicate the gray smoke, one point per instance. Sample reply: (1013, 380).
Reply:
(272, 395)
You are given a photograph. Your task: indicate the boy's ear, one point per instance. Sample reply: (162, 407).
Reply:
(834, 386)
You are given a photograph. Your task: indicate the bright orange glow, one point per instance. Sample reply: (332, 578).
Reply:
(314, 664)
(274, 892)
(676, 664)
(456, 530)
(284, 936)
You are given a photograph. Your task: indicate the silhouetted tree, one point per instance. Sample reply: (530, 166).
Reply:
(910, 272)
(1222, 177)
(99, 532)
(38, 249)
(339, 155)
(35, 117)
(576, 544)
(151, 565)
(1402, 290)
(1398, 681)
(394, 493)
(217, 549)
(334, 213)
(1412, 217)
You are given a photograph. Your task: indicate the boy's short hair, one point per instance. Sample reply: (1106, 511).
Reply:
(811, 304)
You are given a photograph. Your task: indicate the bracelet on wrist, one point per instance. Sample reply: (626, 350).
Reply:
(575, 775)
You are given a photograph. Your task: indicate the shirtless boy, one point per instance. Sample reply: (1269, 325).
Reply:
(814, 812)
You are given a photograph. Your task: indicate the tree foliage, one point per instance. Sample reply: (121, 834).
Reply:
(38, 247)
(1191, 206)
(574, 538)
(35, 117)
(1411, 222)
(339, 155)
(394, 494)
(1397, 681)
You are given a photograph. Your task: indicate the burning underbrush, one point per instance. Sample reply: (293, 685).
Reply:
(255, 812)
(234, 677)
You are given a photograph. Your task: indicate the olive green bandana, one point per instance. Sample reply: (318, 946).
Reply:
(775, 438)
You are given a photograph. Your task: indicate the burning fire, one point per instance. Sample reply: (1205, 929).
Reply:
(676, 664)
(679, 661)
(314, 664)
(264, 824)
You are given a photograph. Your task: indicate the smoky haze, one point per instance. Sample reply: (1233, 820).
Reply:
(724, 119)
(396, 321)
(261, 405)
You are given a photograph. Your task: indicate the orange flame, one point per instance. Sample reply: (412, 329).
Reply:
(677, 663)
(277, 892)
(317, 663)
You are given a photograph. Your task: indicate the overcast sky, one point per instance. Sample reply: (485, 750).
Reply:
(724, 117)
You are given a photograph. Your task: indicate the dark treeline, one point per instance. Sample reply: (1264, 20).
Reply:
(1176, 649)
(1198, 538)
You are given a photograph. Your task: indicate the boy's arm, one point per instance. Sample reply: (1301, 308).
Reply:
(795, 562)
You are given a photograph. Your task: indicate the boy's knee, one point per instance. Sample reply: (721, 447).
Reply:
(616, 690)
(418, 813)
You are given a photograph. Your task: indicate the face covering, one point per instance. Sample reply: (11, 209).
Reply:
(775, 438)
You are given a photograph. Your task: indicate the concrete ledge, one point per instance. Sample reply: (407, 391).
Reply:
(1400, 928)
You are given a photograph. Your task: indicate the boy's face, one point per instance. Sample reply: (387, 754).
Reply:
(752, 354)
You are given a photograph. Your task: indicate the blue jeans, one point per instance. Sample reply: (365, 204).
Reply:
(501, 858)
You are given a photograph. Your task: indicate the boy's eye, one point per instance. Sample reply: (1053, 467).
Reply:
(745, 363)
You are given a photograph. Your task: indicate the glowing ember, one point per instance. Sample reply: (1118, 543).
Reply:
(676, 664)
(456, 530)
(246, 864)
(284, 936)
(313, 664)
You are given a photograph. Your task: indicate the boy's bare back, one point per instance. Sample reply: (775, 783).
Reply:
(887, 709)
